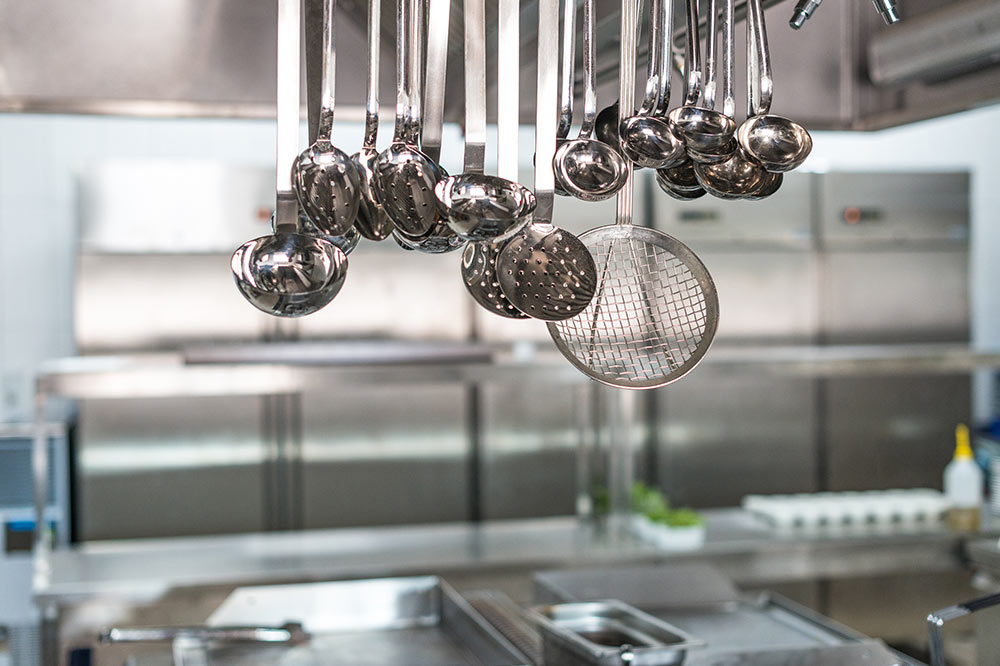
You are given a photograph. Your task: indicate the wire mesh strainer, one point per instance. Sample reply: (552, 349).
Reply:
(656, 308)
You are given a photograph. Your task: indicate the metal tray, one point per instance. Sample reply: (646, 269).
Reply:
(754, 629)
(608, 633)
(412, 621)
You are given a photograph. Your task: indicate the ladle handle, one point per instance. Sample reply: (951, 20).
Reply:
(508, 87)
(665, 58)
(329, 71)
(728, 58)
(626, 91)
(437, 64)
(402, 70)
(654, 68)
(416, 71)
(374, 44)
(707, 99)
(762, 84)
(692, 56)
(546, 108)
(287, 113)
(567, 63)
(475, 85)
(589, 74)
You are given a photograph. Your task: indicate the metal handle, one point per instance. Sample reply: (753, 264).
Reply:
(936, 620)
(374, 45)
(291, 632)
(508, 88)
(692, 56)
(654, 70)
(665, 59)
(286, 216)
(707, 99)
(626, 92)
(567, 62)
(329, 69)
(589, 75)
(416, 70)
(437, 64)
(760, 69)
(475, 86)
(728, 58)
(546, 108)
(402, 70)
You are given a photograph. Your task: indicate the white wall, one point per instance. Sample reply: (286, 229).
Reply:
(40, 155)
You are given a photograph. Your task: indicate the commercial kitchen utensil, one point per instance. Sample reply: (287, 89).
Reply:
(478, 206)
(937, 619)
(735, 177)
(777, 143)
(289, 632)
(372, 221)
(707, 133)
(325, 179)
(606, 126)
(647, 139)
(404, 175)
(439, 238)
(608, 633)
(479, 273)
(346, 241)
(656, 309)
(567, 62)
(545, 271)
(586, 168)
(289, 273)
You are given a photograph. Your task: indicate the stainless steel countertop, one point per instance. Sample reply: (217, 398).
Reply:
(740, 545)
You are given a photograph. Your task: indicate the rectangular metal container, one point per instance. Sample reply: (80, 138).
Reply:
(606, 633)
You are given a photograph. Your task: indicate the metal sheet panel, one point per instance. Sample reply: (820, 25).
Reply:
(722, 437)
(529, 441)
(892, 432)
(895, 296)
(384, 455)
(885, 210)
(169, 467)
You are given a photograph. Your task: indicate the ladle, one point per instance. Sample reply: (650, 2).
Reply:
(479, 206)
(777, 143)
(326, 180)
(405, 176)
(346, 242)
(288, 274)
(645, 138)
(567, 80)
(545, 271)
(586, 168)
(373, 223)
(735, 177)
(707, 132)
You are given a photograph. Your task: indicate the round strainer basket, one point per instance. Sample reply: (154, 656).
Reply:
(654, 315)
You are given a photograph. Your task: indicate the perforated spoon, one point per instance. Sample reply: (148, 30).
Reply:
(405, 176)
(372, 222)
(645, 138)
(288, 274)
(325, 179)
(545, 271)
(586, 168)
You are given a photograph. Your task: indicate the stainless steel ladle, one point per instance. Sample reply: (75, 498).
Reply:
(373, 223)
(479, 206)
(326, 180)
(288, 274)
(647, 139)
(405, 176)
(586, 168)
(777, 143)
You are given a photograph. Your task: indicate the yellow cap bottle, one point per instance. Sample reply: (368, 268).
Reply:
(963, 484)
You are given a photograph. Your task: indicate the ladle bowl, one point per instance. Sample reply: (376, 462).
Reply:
(777, 143)
(589, 169)
(289, 274)
(439, 239)
(606, 127)
(482, 207)
(703, 130)
(733, 179)
(649, 141)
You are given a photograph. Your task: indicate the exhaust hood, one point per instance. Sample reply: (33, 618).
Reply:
(844, 69)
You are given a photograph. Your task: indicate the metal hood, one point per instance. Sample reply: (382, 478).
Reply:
(844, 69)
